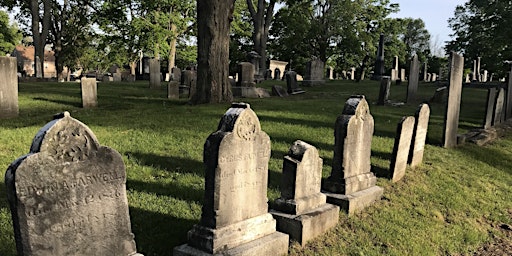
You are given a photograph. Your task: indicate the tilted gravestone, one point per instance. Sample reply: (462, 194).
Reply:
(508, 105)
(419, 135)
(302, 211)
(489, 111)
(352, 184)
(68, 195)
(414, 76)
(235, 218)
(155, 77)
(89, 91)
(385, 85)
(278, 90)
(499, 107)
(451, 118)
(401, 148)
(8, 88)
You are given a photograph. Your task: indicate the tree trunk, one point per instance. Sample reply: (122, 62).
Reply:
(213, 26)
(40, 35)
(362, 68)
(261, 19)
(172, 47)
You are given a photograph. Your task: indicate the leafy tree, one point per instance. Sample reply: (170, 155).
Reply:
(10, 35)
(416, 38)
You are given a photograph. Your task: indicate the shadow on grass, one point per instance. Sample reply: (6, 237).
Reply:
(156, 233)
(380, 172)
(287, 120)
(493, 157)
(168, 163)
(63, 102)
(173, 189)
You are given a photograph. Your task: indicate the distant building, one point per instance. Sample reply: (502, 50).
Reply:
(25, 59)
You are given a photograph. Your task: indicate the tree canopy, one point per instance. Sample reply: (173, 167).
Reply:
(10, 35)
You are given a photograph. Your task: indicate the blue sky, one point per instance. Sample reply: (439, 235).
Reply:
(435, 14)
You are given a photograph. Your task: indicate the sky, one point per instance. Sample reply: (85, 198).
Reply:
(435, 14)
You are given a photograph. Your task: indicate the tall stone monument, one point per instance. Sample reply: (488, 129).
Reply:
(451, 118)
(302, 211)
(89, 91)
(419, 135)
(246, 73)
(155, 77)
(352, 184)
(314, 73)
(8, 88)
(378, 70)
(68, 195)
(235, 218)
(414, 77)
(404, 132)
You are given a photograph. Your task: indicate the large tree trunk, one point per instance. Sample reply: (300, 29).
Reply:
(172, 47)
(261, 19)
(213, 24)
(40, 35)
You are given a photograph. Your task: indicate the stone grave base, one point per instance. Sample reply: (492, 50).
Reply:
(257, 234)
(357, 201)
(309, 225)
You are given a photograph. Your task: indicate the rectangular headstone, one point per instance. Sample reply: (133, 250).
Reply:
(8, 87)
(402, 74)
(173, 90)
(508, 111)
(314, 73)
(117, 77)
(404, 132)
(246, 74)
(68, 195)
(236, 159)
(302, 211)
(419, 135)
(489, 110)
(351, 184)
(499, 107)
(89, 91)
(155, 77)
(451, 118)
(414, 75)
(385, 85)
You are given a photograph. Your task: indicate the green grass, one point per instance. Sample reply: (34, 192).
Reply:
(448, 205)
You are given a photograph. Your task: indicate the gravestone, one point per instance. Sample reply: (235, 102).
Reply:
(302, 211)
(235, 218)
(414, 76)
(154, 74)
(351, 184)
(246, 74)
(68, 195)
(394, 70)
(401, 148)
(173, 90)
(425, 71)
(188, 77)
(353, 74)
(89, 92)
(489, 111)
(291, 83)
(473, 75)
(451, 118)
(314, 73)
(402, 74)
(385, 85)
(8, 88)
(117, 77)
(419, 135)
(268, 74)
(378, 70)
(478, 75)
(499, 107)
(508, 111)
(175, 74)
(484, 76)
(278, 90)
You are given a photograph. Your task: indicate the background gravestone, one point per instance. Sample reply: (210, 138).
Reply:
(352, 184)
(155, 77)
(314, 73)
(419, 135)
(451, 118)
(378, 69)
(302, 211)
(508, 105)
(173, 90)
(499, 107)
(8, 87)
(235, 218)
(414, 76)
(385, 85)
(489, 111)
(404, 132)
(89, 91)
(68, 195)
(246, 74)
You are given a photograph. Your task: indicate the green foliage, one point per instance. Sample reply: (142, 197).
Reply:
(10, 36)
(449, 205)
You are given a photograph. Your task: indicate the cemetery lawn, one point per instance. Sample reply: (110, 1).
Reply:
(455, 203)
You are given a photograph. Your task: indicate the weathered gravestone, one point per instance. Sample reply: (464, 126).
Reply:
(175, 74)
(235, 218)
(401, 148)
(414, 76)
(117, 77)
(68, 195)
(385, 85)
(402, 74)
(489, 111)
(302, 211)
(508, 111)
(291, 83)
(278, 90)
(451, 118)
(352, 184)
(173, 90)
(89, 91)
(378, 69)
(314, 73)
(246, 74)
(419, 135)
(8, 88)
(154, 74)
(499, 107)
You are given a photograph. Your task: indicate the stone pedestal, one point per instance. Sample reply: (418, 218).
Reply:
(357, 201)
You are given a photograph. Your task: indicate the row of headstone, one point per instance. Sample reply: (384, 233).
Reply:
(8, 87)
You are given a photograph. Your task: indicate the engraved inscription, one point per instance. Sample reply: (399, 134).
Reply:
(243, 157)
(246, 128)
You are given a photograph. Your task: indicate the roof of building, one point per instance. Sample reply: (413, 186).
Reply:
(27, 53)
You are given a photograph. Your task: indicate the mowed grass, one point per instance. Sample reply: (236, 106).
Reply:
(450, 204)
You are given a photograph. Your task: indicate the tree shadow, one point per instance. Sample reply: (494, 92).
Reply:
(174, 189)
(63, 102)
(168, 163)
(493, 157)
